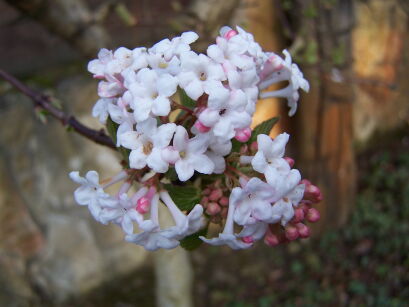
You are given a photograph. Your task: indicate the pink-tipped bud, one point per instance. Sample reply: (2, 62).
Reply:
(216, 194)
(143, 204)
(271, 239)
(290, 161)
(313, 215)
(206, 191)
(248, 239)
(243, 149)
(229, 34)
(312, 193)
(298, 215)
(305, 208)
(291, 232)
(204, 200)
(213, 209)
(243, 135)
(224, 201)
(306, 182)
(200, 127)
(303, 230)
(254, 146)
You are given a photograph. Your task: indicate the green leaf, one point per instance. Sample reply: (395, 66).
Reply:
(112, 127)
(193, 241)
(185, 99)
(236, 145)
(185, 197)
(171, 174)
(263, 128)
(42, 115)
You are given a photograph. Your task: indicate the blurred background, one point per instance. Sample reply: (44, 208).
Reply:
(350, 137)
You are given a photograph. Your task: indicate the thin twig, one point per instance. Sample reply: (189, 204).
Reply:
(43, 101)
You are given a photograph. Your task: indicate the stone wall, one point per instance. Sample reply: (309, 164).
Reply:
(50, 248)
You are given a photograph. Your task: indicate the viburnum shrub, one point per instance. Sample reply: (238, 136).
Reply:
(181, 121)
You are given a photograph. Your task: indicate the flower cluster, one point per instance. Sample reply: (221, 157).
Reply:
(182, 123)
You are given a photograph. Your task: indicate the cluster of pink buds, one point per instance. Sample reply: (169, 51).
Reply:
(182, 123)
(296, 227)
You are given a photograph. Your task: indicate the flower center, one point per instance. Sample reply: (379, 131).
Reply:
(163, 65)
(154, 95)
(182, 154)
(203, 76)
(147, 148)
(222, 112)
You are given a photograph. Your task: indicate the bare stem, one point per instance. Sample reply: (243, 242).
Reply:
(43, 102)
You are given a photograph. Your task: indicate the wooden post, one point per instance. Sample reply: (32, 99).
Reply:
(261, 20)
(324, 129)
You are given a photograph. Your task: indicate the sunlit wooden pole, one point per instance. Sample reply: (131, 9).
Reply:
(325, 151)
(259, 18)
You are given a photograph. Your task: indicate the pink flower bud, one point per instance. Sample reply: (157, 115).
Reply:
(271, 239)
(303, 230)
(213, 209)
(216, 194)
(204, 200)
(298, 215)
(312, 193)
(290, 161)
(143, 204)
(243, 149)
(254, 146)
(313, 215)
(200, 127)
(243, 135)
(229, 34)
(291, 232)
(305, 208)
(206, 191)
(306, 182)
(248, 239)
(224, 201)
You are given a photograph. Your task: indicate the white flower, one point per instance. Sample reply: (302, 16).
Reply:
(283, 209)
(226, 118)
(151, 94)
(123, 213)
(252, 202)
(197, 72)
(253, 231)
(227, 237)
(98, 66)
(158, 63)
(286, 70)
(188, 154)
(122, 59)
(91, 193)
(185, 225)
(177, 46)
(152, 237)
(270, 154)
(218, 161)
(147, 143)
(281, 182)
(100, 109)
(120, 115)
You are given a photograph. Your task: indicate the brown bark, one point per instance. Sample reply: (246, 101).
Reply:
(324, 127)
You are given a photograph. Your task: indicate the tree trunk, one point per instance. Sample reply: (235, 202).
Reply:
(324, 120)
